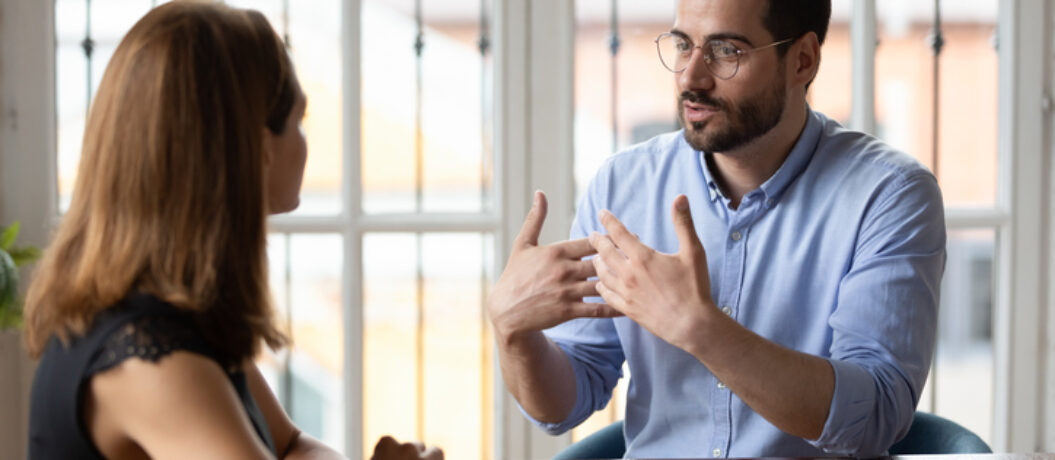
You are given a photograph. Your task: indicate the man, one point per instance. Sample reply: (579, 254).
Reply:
(789, 307)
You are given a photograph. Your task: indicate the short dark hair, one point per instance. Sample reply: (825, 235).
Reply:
(794, 18)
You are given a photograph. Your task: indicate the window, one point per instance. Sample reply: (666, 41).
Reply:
(624, 96)
(381, 273)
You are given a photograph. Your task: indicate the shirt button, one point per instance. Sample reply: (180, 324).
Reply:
(716, 452)
(727, 310)
(735, 236)
(721, 386)
(769, 202)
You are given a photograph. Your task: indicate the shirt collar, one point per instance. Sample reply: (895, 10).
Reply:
(792, 167)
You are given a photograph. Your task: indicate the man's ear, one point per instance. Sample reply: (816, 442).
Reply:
(804, 59)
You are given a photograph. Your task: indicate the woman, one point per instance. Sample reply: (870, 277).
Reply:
(152, 301)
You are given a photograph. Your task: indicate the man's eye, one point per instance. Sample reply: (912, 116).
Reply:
(723, 50)
(682, 46)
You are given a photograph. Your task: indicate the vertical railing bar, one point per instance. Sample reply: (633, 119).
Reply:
(419, 139)
(936, 41)
(486, 162)
(419, 185)
(287, 367)
(285, 24)
(613, 46)
(419, 337)
(88, 45)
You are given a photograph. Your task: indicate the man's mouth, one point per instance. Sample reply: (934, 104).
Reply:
(695, 113)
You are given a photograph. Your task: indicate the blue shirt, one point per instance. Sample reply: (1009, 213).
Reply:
(839, 254)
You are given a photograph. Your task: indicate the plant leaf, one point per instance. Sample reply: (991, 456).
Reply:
(8, 280)
(7, 235)
(24, 255)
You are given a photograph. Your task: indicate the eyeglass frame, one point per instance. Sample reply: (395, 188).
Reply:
(740, 52)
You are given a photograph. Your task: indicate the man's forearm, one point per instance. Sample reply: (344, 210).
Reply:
(790, 389)
(538, 374)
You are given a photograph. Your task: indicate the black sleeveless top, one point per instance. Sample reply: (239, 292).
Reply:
(139, 327)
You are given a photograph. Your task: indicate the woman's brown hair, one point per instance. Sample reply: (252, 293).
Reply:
(170, 197)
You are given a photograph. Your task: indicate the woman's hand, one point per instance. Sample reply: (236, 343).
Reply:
(390, 449)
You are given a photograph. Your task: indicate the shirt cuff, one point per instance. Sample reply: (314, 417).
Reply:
(579, 412)
(852, 403)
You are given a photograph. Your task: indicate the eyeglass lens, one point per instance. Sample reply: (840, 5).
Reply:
(722, 57)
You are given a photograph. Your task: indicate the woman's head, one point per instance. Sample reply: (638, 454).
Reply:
(192, 139)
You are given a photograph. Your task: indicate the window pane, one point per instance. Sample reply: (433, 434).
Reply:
(961, 383)
(645, 105)
(646, 98)
(305, 274)
(455, 167)
(427, 370)
(832, 89)
(110, 21)
(313, 31)
(967, 92)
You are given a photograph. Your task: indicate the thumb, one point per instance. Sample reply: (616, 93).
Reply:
(529, 232)
(688, 241)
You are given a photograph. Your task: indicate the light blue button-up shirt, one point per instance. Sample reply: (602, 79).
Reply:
(839, 254)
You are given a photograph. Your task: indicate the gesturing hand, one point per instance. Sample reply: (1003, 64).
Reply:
(543, 286)
(389, 449)
(667, 294)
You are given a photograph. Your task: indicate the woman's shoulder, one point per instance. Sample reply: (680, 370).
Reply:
(144, 327)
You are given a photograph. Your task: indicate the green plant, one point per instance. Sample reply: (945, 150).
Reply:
(12, 257)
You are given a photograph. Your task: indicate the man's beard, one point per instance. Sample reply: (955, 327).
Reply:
(744, 123)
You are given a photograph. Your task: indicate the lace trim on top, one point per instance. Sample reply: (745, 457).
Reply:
(148, 337)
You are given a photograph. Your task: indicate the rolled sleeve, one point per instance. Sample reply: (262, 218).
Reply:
(885, 323)
(597, 367)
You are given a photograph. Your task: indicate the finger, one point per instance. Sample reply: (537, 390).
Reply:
(622, 237)
(574, 249)
(383, 448)
(582, 289)
(593, 310)
(612, 298)
(603, 270)
(609, 254)
(432, 453)
(582, 269)
(688, 240)
(532, 226)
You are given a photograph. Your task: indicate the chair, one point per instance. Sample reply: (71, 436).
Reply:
(607, 442)
(929, 434)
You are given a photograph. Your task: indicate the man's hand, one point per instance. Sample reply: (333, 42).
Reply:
(667, 294)
(390, 449)
(543, 286)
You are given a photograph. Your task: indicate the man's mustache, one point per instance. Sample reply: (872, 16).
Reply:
(699, 97)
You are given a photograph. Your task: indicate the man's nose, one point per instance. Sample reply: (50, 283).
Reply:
(696, 76)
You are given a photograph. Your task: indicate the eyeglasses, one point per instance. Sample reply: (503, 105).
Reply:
(721, 56)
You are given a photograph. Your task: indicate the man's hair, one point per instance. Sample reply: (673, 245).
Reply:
(794, 18)
(171, 193)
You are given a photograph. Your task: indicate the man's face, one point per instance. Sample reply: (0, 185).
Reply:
(724, 115)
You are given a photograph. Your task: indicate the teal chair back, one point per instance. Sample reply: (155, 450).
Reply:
(929, 434)
(608, 442)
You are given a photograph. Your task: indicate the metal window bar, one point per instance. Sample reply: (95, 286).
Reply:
(419, 182)
(614, 43)
(936, 41)
(484, 46)
(88, 45)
